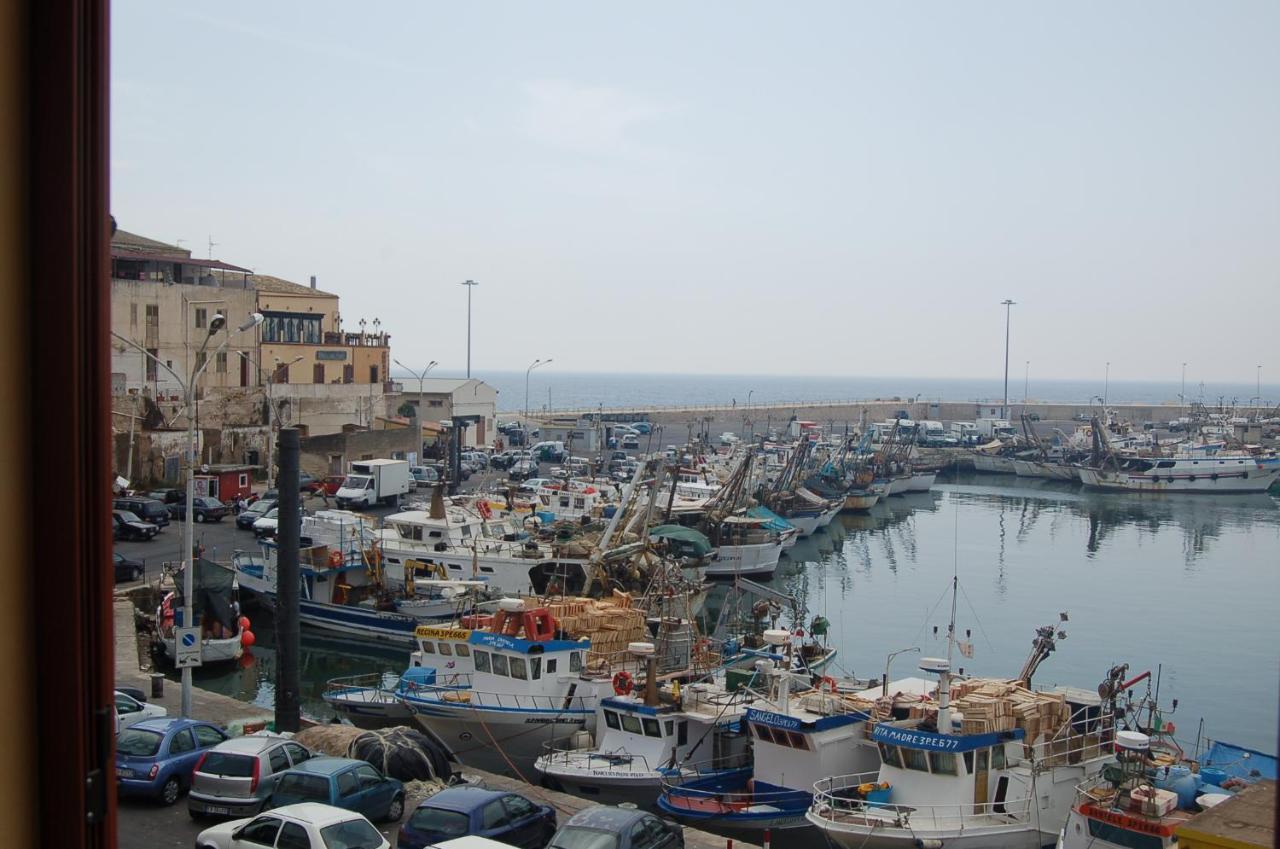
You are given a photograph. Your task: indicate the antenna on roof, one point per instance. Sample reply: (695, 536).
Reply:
(212, 245)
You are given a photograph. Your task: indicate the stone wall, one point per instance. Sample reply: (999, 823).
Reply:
(333, 453)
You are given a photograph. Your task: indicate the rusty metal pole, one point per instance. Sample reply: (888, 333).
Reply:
(288, 681)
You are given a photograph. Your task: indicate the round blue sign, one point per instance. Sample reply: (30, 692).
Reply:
(188, 640)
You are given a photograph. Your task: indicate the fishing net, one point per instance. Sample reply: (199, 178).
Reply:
(400, 752)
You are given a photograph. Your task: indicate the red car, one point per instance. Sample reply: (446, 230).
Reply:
(329, 485)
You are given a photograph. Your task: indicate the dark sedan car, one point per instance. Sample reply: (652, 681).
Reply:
(146, 509)
(206, 509)
(343, 783)
(254, 512)
(605, 827)
(495, 814)
(126, 569)
(129, 526)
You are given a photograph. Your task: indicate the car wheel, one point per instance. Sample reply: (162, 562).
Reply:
(171, 790)
(200, 517)
(396, 809)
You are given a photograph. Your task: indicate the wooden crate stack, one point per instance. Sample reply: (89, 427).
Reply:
(992, 705)
(610, 624)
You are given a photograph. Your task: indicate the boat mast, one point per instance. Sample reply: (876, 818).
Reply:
(944, 680)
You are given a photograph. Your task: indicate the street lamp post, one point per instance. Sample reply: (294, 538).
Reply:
(421, 377)
(216, 323)
(884, 684)
(1182, 393)
(527, 372)
(1259, 387)
(1026, 382)
(1106, 385)
(470, 284)
(1008, 304)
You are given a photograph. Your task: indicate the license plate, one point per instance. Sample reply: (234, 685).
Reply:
(215, 810)
(121, 772)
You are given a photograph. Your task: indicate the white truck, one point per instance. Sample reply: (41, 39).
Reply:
(373, 482)
(996, 429)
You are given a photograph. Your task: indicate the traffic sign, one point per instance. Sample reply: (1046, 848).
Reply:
(187, 652)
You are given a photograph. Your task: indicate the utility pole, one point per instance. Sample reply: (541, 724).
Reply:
(288, 682)
(1182, 393)
(470, 284)
(1007, 308)
(1106, 386)
(535, 364)
(1026, 382)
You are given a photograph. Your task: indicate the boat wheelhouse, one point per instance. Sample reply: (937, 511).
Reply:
(745, 547)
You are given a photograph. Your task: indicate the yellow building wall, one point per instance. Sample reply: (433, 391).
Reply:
(303, 371)
(325, 305)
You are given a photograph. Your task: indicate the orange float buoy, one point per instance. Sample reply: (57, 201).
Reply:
(247, 639)
(244, 623)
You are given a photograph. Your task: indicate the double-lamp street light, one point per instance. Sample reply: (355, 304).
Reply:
(201, 362)
(535, 364)
(273, 414)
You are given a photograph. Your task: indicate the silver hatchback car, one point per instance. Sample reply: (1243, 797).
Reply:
(236, 777)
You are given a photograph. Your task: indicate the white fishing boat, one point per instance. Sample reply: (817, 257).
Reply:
(647, 734)
(573, 499)
(1043, 469)
(921, 481)
(476, 543)
(744, 547)
(222, 636)
(530, 687)
(989, 764)
(860, 499)
(799, 735)
(375, 701)
(1219, 474)
(343, 585)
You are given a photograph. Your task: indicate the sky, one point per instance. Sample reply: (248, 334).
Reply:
(730, 187)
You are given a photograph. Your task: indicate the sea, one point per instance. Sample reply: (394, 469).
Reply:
(1184, 587)
(555, 390)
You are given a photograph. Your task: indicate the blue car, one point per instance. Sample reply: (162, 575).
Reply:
(343, 783)
(155, 757)
(497, 815)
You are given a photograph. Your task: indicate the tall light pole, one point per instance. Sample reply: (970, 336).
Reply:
(1007, 309)
(1182, 393)
(216, 323)
(1106, 385)
(1026, 382)
(1259, 385)
(470, 284)
(527, 372)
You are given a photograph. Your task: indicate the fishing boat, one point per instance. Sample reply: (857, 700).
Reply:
(1220, 474)
(987, 764)
(799, 734)
(539, 673)
(922, 480)
(343, 586)
(860, 500)
(375, 700)
(648, 733)
(477, 543)
(222, 636)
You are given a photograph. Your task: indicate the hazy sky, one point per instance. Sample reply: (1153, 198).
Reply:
(738, 187)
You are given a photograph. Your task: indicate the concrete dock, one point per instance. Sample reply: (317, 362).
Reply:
(144, 825)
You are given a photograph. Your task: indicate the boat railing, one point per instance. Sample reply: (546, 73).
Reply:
(1083, 737)
(619, 762)
(460, 691)
(695, 784)
(842, 801)
(369, 687)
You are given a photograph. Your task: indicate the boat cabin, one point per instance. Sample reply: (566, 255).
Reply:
(949, 769)
(665, 736)
(521, 673)
(795, 748)
(445, 649)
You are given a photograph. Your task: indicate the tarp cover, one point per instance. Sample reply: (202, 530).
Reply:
(775, 522)
(212, 593)
(1237, 762)
(691, 540)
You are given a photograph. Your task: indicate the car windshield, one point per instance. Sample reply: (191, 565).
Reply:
(126, 516)
(272, 514)
(304, 788)
(575, 837)
(138, 742)
(228, 764)
(356, 482)
(352, 834)
(261, 507)
(210, 502)
(437, 821)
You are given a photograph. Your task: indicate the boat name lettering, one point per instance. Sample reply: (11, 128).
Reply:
(1126, 822)
(496, 641)
(553, 720)
(918, 739)
(777, 720)
(436, 633)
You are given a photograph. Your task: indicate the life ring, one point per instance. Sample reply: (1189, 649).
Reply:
(335, 559)
(486, 511)
(622, 683)
(830, 683)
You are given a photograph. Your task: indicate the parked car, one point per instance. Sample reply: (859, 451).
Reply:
(168, 496)
(498, 815)
(477, 458)
(424, 476)
(147, 509)
(126, 569)
(205, 508)
(305, 482)
(530, 486)
(503, 460)
(154, 758)
(522, 470)
(134, 693)
(269, 495)
(641, 428)
(344, 783)
(236, 778)
(306, 826)
(254, 512)
(631, 442)
(128, 526)
(130, 711)
(268, 524)
(606, 827)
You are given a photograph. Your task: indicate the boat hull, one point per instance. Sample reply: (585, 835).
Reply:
(368, 707)
(504, 741)
(1202, 480)
(921, 481)
(211, 651)
(994, 837)
(745, 560)
(860, 500)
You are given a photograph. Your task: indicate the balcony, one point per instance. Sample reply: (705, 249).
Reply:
(357, 340)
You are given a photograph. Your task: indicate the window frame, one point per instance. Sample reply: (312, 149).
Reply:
(481, 660)
(611, 720)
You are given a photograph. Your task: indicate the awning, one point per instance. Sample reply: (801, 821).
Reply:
(693, 541)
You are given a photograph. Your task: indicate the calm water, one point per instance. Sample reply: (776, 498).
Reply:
(1190, 583)
(580, 390)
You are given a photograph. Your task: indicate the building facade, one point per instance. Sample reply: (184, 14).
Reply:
(442, 398)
